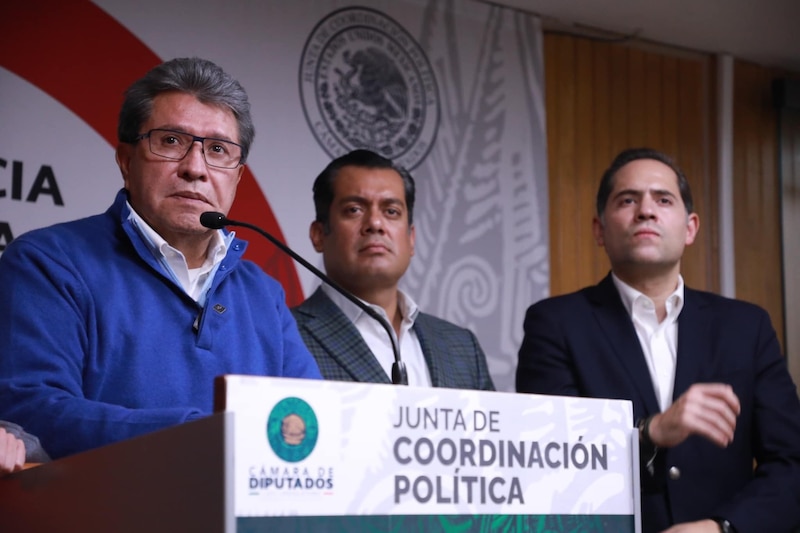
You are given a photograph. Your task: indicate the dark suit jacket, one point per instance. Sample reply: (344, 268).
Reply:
(584, 344)
(454, 357)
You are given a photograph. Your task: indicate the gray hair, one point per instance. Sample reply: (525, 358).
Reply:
(199, 77)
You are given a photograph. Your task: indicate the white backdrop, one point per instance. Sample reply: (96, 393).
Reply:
(461, 105)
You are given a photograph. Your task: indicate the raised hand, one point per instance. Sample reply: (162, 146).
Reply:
(706, 409)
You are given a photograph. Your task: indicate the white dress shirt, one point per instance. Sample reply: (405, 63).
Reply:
(378, 341)
(195, 281)
(659, 341)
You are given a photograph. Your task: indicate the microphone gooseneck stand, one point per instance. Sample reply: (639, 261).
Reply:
(214, 220)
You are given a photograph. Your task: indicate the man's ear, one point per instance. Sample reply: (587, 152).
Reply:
(597, 231)
(692, 227)
(316, 232)
(123, 155)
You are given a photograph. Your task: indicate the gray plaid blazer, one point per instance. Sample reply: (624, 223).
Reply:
(454, 357)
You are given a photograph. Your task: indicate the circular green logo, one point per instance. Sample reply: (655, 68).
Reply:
(292, 429)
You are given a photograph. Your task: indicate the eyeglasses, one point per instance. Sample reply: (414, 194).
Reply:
(171, 144)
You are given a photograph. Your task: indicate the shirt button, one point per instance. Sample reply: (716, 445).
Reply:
(674, 473)
(223, 267)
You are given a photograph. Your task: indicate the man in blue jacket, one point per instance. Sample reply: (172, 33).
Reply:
(117, 324)
(709, 385)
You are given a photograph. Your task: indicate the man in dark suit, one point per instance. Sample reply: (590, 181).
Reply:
(710, 389)
(364, 229)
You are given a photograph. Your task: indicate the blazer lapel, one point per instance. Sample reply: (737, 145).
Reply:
(694, 342)
(341, 340)
(433, 349)
(616, 325)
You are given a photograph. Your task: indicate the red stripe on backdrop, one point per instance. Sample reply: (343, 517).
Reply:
(82, 57)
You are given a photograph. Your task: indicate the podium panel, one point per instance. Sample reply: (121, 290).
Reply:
(292, 455)
(164, 482)
(333, 456)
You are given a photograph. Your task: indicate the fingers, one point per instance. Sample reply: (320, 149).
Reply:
(706, 409)
(711, 411)
(714, 425)
(20, 458)
(12, 453)
(721, 391)
(6, 457)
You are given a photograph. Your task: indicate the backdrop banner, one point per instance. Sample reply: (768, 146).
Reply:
(453, 90)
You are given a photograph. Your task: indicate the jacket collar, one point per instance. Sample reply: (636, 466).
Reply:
(340, 338)
(615, 323)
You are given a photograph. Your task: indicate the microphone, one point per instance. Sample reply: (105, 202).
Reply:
(215, 220)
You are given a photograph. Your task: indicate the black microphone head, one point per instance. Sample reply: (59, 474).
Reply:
(213, 220)
(399, 373)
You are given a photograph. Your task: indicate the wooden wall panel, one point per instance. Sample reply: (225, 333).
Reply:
(669, 104)
(696, 154)
(756, 191)
(790, 197)
(600, 150)
(602, 98)
(654, 100)
(586, 114)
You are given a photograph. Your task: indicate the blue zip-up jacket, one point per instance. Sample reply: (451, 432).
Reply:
(99, 344)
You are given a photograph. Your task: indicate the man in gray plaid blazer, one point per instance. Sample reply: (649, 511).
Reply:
(364, 229)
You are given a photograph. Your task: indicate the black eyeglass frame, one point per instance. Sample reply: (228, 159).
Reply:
(195, 138)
